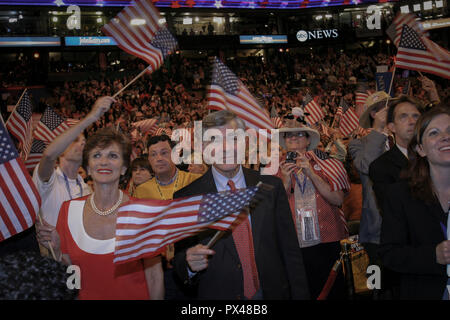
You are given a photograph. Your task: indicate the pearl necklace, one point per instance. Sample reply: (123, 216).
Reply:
(110, 210)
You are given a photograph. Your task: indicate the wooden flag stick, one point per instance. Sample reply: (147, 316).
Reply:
(18, 101)
(48, 242)
(129, 83)
(390, 86)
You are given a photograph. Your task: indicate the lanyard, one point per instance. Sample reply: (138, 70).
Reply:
(301, 186)
(173, 189)
(68, 187)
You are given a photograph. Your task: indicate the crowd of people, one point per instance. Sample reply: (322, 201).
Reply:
(288, 253)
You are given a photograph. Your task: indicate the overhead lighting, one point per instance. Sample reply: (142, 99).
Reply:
(416, 7)
(162, 21)
(137, 22)
(20, 16)
(358, 16)
(55, 19)
(12, 20)
(328, 16)
(187, 20)
(98, 13)
(439, 4)
(404, 9)
(428, 5)
(196, 19)
(99, 20)
(217, 20)
(319, 17)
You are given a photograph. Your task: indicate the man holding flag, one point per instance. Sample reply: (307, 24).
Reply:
(260, 258)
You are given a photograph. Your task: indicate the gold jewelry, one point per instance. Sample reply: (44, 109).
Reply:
(110, 210)
(174, 188)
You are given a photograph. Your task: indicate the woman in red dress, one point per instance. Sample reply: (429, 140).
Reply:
(85, 232)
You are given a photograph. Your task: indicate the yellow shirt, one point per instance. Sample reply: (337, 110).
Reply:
(152, 190)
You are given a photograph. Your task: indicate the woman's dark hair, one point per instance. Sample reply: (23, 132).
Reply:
(418, 171)
(104, 138)
(142, 163)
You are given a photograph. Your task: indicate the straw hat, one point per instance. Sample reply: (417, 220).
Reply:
(373, 102)
(314, 136)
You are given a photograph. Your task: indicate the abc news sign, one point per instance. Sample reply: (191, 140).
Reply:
(303, 35)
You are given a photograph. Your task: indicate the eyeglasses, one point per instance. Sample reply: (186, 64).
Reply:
(295, 134)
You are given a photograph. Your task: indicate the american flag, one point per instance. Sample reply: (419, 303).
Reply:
(145, 227)
(227, 92)
(314, 110)
(161, 131)
(146, 126)
(20, 124)
(349, 122)
(35, 155)
(277, 122)
(334, 170)
(414, 54)
(395, 29)
(19, 201)
(361, 132)
(136, 30)
(50, 126)
(361, 97)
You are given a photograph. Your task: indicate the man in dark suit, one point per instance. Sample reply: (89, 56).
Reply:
(402, 115)
(401, 118)
(260, 258)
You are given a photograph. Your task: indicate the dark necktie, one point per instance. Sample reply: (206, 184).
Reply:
(243, 240)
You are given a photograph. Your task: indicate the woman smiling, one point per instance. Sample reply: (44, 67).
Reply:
(86, 228)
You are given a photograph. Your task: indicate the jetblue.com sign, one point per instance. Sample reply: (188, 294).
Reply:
(303, 35)
(90, 41)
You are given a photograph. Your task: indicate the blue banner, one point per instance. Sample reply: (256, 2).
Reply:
(90, 41)
(383, 81)
(262, 39)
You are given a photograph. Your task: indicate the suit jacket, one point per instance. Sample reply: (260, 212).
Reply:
(363, 152)
(277, 253)
(409, 235)
(385, 170)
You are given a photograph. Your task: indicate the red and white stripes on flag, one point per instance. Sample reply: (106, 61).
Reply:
(277, 122)
(227, 92)
(136, 30)
(161, 131)
(417, 52)
(315, 112)
(20, 123)
(395, 29)
(349, 122)
(19, 200)
(361, 97)
(35, 155)
(334, 170)
(145, 227)
(147, 125)
(50, 126)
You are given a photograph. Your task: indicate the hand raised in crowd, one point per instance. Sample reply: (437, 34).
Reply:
(443, 252)
(197, 257)
(101, 106)
(429, 86)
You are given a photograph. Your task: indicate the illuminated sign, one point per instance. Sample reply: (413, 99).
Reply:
(214, 4)
(262, 39)
(303, 35)
(30, 42)
(89, 41)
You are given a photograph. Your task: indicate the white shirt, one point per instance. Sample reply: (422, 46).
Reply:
(54, 192)
(403, 150)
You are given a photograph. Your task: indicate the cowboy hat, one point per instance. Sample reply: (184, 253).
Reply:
(373, 102)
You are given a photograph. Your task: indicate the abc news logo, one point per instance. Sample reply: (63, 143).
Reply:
(303, 35)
